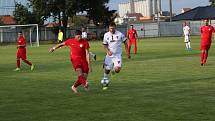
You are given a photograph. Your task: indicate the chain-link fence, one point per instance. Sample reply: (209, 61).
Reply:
(153, 29)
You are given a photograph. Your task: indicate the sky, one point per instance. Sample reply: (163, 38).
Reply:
(176, 4)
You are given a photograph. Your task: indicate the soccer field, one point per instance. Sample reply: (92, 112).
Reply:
(163, 82)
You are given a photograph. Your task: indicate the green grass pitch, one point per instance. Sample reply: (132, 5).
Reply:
(163, 82)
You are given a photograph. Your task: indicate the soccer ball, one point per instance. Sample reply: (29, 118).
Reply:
(105, 82)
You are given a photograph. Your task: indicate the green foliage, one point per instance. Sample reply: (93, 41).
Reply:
(1, 22)
(61, 10)
(23, 15)
(78, 20)
(212, 2)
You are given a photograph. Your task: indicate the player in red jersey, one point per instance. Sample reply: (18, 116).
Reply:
(21, 52)
(206, 34)
(79, 55)
(132, 36)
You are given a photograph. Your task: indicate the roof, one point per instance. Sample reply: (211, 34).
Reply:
(185, 9)
(137, 15)
(198, 13)
(7, 19)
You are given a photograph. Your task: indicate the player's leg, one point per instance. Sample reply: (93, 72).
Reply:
(117, 60)
(129, 48)
(206, 54)
(80, 80)
(189, 45)
(24, 59)
(85, 69)
(186, 42)
(202, 54)
(18, 56)
(107, 66)
(205, 57)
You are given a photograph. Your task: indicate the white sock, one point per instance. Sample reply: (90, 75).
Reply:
(92, 54)
(189, 46)
(106, 76)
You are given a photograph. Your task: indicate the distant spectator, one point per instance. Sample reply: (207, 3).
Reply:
(60, 36)
(84, 36)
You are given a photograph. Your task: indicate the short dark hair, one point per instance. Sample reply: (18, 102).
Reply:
(131, 25)
(112, 24)
(78, 32)
(20, 32)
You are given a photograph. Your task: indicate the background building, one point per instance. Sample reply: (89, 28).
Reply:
(148, 8)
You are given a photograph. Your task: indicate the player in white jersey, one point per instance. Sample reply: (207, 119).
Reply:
(112, 42)
(84, 36)
(186, 30)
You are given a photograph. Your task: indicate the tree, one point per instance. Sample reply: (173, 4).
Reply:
(99, 12)
(1, 22)
(63, 9)
(212, 2)
(23, 15)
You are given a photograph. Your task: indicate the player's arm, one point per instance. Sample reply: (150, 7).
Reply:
(56, 47)
(105, 44)
(107, 49)
(136, 34)
(189, 31)
(21, 44)
(88, 59)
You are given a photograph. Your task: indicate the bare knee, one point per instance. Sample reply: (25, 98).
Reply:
(117, 69)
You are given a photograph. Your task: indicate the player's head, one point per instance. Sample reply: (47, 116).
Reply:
(60, 30)
(206, 21)
(78, 35)
(185, 23)
(20, 34)
(131, 26)
(83, 29)
(112, 27)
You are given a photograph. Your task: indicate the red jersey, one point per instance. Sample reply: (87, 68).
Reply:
(22, 42)
(77, 48)
(206, 34)
(132, 34)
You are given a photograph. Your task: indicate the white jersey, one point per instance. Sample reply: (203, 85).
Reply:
(114, 42)
(84, 35)
(186, 30)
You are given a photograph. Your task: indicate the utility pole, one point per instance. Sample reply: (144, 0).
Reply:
(170, 10)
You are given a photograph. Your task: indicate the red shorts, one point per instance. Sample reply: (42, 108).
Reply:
(80, 64)
(21, 53)
(132, 41)
(205, 47)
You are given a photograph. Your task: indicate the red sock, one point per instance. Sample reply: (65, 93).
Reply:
(28, 62)
(202, 56)
(83, 80)
(18, 63)
(129, 50)
(205, 58)
(80, 81)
